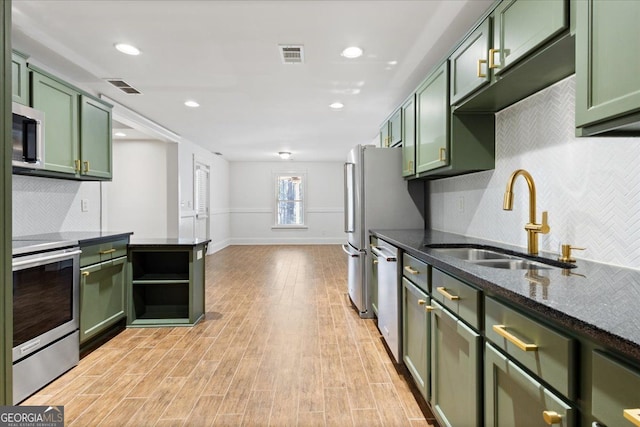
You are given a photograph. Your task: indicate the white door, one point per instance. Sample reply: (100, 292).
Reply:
(201, 200)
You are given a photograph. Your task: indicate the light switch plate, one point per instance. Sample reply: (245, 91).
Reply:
(84, 203)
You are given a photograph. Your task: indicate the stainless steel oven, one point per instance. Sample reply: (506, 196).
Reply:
(45, 315)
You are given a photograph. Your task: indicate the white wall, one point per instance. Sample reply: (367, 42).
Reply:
(46, 205)
(141, 196)
(590, 186)
(252, 192)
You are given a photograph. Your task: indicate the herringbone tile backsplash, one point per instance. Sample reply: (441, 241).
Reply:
(589, 186)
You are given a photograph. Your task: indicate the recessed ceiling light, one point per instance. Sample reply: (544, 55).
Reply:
(192, 104)
(284, 155)
(352, 52)
(336, 105)
(128, 49)
(121, 134)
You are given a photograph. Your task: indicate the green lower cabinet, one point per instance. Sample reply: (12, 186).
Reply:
(102, 296)
(615, 392)
(514, 398)
(415, 334)
(456, 376)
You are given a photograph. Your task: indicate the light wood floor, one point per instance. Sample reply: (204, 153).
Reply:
(280, 346)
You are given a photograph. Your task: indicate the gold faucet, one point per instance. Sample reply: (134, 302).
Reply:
(532, 228)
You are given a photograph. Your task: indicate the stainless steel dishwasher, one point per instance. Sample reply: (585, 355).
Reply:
(388, 300)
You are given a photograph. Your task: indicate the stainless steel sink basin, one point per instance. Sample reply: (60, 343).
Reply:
(492, 259)
(472, 254)
(514, 264)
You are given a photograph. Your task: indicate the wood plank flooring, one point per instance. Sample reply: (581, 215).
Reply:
(280, 346)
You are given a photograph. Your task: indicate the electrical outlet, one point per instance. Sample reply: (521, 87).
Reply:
(461, 204)
(84, 204)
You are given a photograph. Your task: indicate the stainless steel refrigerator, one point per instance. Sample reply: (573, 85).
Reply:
(376, 196)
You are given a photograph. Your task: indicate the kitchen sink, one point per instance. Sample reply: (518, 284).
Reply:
(497, 258)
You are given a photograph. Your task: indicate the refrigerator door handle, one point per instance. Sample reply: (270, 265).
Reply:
(352, 254)
(349, 198)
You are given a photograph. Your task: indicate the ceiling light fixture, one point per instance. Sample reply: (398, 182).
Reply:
(352, 52)
(284, 155)
(337, 105)
(127, 49)
(192, 104)
(120, 134)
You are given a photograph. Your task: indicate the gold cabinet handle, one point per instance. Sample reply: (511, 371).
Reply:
(411, 270)
(85, 274)
(502, 331)
(410, 164)
(77, 165)
(375, 261)
(633, 415)
(107, 251)
(443, 154)
(421, 302)
(551, 417)
(447, 295)
(429, 308)
(479, 70)
(492, 58)
(86, 166)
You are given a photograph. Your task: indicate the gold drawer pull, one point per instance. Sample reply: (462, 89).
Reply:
(479, 71)
(411, 270)
(107, 251)
(551, 417)
(492, 58)
(501, 330)
(429, 308)
(449, 296)
(633, 415)
(421, 302)
(85, 274)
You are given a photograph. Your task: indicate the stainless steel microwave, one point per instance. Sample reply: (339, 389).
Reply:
(27, 135)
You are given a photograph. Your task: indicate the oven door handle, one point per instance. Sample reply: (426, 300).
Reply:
(46, 258)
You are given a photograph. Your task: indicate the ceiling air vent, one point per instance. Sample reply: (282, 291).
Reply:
(291, 54)
(124, 86)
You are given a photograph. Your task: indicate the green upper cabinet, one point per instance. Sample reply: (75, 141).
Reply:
(19, 79)
(470, 63)
(95, 137)
(432, 121)
(59, 103)
(523, 25)
(409, 137)
(391, 130)
(607, 78)
(77, 136)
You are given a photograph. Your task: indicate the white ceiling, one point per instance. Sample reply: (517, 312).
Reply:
(224, 55)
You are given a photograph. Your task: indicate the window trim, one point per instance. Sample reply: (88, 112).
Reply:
(275, 177)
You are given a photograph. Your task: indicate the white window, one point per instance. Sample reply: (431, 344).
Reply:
(289, 202)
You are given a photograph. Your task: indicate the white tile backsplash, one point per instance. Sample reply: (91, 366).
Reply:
(45, 205)
(589, 186)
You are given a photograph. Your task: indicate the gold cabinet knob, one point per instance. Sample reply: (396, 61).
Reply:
(551, 417)
(85, 274)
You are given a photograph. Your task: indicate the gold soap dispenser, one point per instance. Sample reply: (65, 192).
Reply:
(566, 253)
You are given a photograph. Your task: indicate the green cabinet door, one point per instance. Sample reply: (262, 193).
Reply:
(523, 25)
(95, 137)
(395, 128)
(615, 389)
(60, 106)
(432, 121)
(513, 398)
(415, 333)
(607, 60)
(102, 296)
(469, 63)
(409, 137)
(455, 370)
(19, 79)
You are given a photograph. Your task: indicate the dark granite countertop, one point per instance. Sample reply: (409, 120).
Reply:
(82, 237)
(167, 242)
(598, 301)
